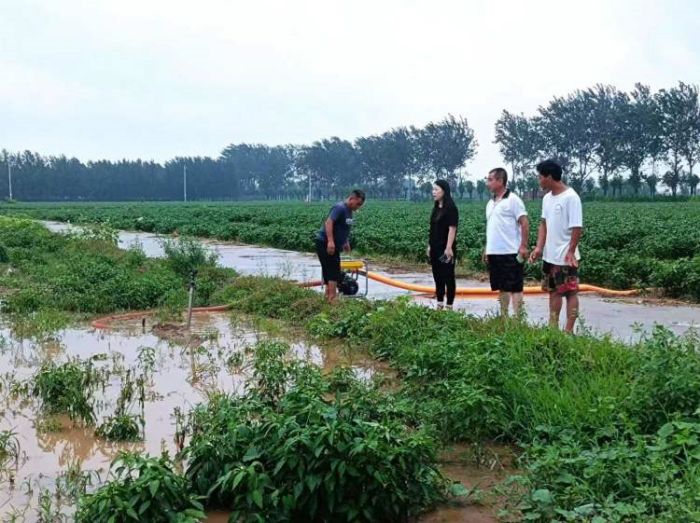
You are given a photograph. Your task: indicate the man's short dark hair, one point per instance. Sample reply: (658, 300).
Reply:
(500, 174)
(358, 193)
(549, 168)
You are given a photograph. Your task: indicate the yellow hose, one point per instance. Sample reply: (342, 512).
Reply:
(485, 291)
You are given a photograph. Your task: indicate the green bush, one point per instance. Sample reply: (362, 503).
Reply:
(591, 413)
(67, 388)
(627, 478)
(141, 489)
(186, 255)
(294, 449)
(121, 427)
(666, 382)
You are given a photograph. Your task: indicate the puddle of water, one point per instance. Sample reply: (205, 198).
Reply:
(178, 376)
(459, 463)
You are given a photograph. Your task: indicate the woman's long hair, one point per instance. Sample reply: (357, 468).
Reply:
(447, 201)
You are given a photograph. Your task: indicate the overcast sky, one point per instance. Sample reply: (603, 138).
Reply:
(155, 79)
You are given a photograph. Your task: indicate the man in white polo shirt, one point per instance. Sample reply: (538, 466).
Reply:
(557, 242)
(507, 233)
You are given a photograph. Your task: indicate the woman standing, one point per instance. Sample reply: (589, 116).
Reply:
(442, 243)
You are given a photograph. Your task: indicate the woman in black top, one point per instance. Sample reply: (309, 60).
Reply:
(442, 242)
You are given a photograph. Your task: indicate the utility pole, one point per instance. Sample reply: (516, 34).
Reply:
(9, 176)
(184, 181)
(309, 187)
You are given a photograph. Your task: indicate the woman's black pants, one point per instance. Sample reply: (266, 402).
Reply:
(444, 276)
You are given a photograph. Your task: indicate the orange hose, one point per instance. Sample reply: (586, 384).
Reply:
(312, 283)
(105, 322)
(485, 291)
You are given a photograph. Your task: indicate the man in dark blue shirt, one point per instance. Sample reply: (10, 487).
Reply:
(334, 235)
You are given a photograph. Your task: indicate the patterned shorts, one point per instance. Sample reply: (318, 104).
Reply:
(561, 279)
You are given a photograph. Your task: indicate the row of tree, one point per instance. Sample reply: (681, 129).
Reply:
(609, 142)
(623, 138)
(390, 165)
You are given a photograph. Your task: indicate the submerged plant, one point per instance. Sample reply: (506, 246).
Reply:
(67, 388)
(123, 426)
(40, 325)
(185, 255)
(9, 450)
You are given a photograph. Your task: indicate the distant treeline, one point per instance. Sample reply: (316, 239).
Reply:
(611, 144)
(389, 165)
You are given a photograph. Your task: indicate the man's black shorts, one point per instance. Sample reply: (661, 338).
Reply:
(505, 273)
(330, 265)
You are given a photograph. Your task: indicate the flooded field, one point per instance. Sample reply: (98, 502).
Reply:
(171, 371)
(146, 374)
(623, 318)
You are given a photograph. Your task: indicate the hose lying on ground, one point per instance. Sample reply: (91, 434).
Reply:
(485, 291)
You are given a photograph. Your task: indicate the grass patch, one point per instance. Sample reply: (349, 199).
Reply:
(88, 273)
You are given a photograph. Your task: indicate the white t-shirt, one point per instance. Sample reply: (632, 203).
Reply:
(561, 213)
(503, 234)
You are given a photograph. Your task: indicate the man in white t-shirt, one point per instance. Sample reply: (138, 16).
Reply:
(557, 242)
(507, 233)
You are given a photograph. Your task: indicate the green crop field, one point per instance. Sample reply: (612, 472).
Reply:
(625, 245)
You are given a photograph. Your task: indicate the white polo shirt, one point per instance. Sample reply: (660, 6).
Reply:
(503, 234)
(561, 213)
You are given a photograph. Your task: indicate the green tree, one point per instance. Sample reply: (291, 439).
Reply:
(617, 182)
(606, 104)
(481, 189)
(518, 141)
(640, 132)
(680, 129)
(567, 128)
(672, 180)
(604, 184)
(388, 160)
(652, 181)
(333, 165)
(446, 146)
(469, 187)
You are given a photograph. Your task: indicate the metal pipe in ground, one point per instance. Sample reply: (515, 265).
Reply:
(190, 299)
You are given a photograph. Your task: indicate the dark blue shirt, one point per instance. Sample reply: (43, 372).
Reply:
(342, 220)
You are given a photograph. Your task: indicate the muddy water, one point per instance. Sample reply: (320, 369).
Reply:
(177, 376)
(625, 319)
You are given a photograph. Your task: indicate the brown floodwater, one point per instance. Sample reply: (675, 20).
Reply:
(181, 370)
(178, 375)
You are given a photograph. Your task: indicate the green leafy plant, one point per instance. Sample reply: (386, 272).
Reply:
(290, 451)
(141, 489)
(67, 388)
(123, 426)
